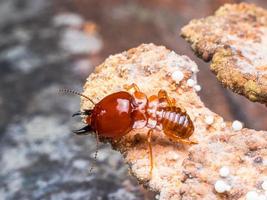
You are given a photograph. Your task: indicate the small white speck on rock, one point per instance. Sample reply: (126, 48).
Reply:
(237, 125)
(224, 171)
(177, 76)
(252, 195)
(209, 119)
(264, 185)
(221, 186)
(190, 82)
(197, 88)
(194, 69)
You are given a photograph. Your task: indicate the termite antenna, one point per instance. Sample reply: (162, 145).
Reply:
(96, 152)
(64, 91)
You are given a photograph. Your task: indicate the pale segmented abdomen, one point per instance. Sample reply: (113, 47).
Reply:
(177, 121)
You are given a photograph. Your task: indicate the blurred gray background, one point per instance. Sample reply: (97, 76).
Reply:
(53, 44)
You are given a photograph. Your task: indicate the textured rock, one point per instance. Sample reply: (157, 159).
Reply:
(235, 39)
(180, 171)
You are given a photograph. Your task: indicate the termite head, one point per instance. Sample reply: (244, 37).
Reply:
(88, 119)
(86, 113)
(111, 117)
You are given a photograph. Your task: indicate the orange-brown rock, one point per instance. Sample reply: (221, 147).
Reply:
(180, 171)
(235, 40)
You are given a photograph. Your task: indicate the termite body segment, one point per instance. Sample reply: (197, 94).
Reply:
(118, 113)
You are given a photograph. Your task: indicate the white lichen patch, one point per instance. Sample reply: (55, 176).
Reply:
(68, 19)
(44, 128)
(80, 164)
(23, 58)
(3, 195)
(122, 194)
(81, 194)
(13, 159)
(37, 135)
(14, 183)
(77, 41)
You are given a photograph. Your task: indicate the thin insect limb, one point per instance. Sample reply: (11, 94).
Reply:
(132, 86)
(140, 98)
(162, 94)
(96, 152)
(149, 135)
(176, 138)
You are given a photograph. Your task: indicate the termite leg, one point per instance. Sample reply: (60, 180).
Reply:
(149, 134)
(132, 86)
(140, 99)
(163, 95)
(85, 112)
(185, 141)
(176, 138)
(83, 131)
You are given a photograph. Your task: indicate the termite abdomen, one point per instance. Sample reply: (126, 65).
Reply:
(176, 121)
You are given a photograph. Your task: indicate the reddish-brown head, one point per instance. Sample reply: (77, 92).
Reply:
(111, 117)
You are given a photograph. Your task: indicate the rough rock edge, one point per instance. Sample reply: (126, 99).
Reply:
(208, 48)
(150, 66)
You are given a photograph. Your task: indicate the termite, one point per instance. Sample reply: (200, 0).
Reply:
(120, 112)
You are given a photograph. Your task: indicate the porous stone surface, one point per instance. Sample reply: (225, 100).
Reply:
(235, 40)
(180, 171)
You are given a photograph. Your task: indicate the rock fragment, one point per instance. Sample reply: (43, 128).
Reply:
(180, 171)
(235, 40)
